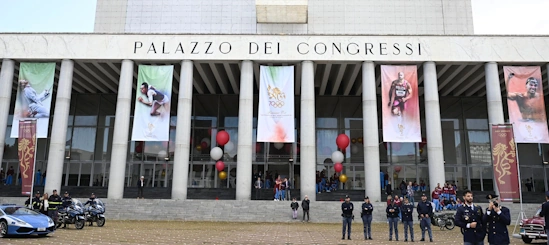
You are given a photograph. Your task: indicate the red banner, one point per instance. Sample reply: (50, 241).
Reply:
(27, 148)
(505, 162)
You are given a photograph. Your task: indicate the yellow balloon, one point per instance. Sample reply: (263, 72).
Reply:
(199, 147)
(343, 178)
(222, 175)
(420, 151)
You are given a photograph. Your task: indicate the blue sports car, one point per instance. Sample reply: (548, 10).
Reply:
(19, 220)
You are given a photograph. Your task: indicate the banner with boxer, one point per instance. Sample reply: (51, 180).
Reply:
(400, 103)
(504, 157)
(33, 101)
(275, 121)
(525, 103)
(151, 118)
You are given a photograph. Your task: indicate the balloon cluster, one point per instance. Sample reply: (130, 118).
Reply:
(216, 153)
(342, 142)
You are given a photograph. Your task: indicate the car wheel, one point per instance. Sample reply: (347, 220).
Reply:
(526, 239)
(101, 222)
(3, 228)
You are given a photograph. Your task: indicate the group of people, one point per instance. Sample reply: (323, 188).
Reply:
(7, 178)
(304, 205)
(445, 197)
(324, 184)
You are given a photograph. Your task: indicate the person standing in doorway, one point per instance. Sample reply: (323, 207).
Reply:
(367, 209)
(347, 209)
(410, 193)
(257, 186)
(140, 187)
(9, 178)
(305, 206)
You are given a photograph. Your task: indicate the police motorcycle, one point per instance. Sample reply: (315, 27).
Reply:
(444, 220)
(73, 214)
(95, 213)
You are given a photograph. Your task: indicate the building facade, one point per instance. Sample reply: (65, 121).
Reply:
(336, 47)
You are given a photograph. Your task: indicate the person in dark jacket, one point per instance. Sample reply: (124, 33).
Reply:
(305, 206)
(366, 214)
(392, 216)
(294, 205)
(407, 211)
(545, 213)
(54, 201)
(470, 218)
(35, 203)
(425, 212)
(66, 199)
(347, 214)
(497, 219)
(140, 185)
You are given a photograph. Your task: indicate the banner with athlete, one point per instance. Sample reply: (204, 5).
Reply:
(151, 118)
(400, 104)
(525, 103)
(33, 99)
(275, 121)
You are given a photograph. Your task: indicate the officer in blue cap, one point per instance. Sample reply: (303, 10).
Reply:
(545, 213)
(497, 219)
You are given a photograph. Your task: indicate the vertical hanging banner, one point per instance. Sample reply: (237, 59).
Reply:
(505, 162)
(400, 103)
(33, 99)
(151, 118)
(526, 104)
(276, 104)
(26, 147)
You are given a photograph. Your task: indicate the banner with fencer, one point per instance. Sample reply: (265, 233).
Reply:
(526, 104)
(275, 121)
(33, 101)
(400, 103)
(151, 120)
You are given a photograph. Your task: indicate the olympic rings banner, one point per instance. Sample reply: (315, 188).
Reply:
(505, 162)
(400, 103)
(151, 120)
(276, 104)
(526, 104)
(34, 90)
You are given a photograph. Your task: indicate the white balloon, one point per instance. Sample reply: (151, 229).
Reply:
(216, 153)
(337, 157)
(208, 141)
(354, 149)
(162, 154)
(229, 147)
(279, 145)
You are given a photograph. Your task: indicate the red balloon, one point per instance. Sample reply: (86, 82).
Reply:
(219, 165)
(204, 145)
(398, 168)
(222, 138)
(342, 141)
(257, 147)
(338, 167)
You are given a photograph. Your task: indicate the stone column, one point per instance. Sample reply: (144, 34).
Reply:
(308, 131)
(58, 138)
(493, 99)
(183, 132)
(435, 151)
(6, 79)
(371, 133)
(121, 131)
(245, 130)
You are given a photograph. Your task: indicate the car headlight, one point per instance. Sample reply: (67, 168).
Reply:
(50, 221)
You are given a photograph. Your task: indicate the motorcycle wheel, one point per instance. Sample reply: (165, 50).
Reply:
(101, 222)
(79, 224)
(58, 224)
(450, 224)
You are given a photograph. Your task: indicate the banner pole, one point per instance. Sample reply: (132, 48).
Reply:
(34, 163)
(521, 214)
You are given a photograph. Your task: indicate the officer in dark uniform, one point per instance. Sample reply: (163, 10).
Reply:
(347, 209)
(67, 201)
(425, 212)
(545, 213)
(366, 214)
(470, 218)
(54, 201)
(35, 201)
(392, 211)
(497, 219)
(407, 211)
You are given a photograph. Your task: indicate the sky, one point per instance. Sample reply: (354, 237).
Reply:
(498, 17)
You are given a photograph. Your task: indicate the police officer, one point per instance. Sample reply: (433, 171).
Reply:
(470, 218)
(366, 214)
(54, 201)
(545, 213)
(347, 209)
(91, 201)
(392, 211)
(425, 212)
(67, 201)
(35, 201)
(407, 211)
(497, 219)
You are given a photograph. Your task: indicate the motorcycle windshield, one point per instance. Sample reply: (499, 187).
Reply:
(77, 203)
(99, 202)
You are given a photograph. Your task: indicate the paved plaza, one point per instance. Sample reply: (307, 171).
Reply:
(176, 232)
